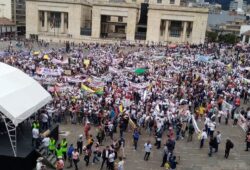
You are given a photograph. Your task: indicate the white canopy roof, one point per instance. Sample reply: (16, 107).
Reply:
(20, 95)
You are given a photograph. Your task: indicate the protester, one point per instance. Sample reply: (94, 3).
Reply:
(229, 146)
(147, 147)
(75, 158)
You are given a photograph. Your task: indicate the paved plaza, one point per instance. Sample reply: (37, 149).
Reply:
(191, 157)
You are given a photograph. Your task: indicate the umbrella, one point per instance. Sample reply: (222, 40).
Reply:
(140, 71)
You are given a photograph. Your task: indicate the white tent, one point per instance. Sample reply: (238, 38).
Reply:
(20, 95)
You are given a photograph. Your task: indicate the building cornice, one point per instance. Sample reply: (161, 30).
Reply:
(178, 8)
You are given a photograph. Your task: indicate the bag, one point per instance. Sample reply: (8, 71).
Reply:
(232, 145)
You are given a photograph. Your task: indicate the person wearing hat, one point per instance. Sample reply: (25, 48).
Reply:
(64, 145)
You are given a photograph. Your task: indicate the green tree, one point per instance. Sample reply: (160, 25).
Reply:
(212, 36)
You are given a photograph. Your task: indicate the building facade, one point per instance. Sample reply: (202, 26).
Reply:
(150, 20)
(14, 10)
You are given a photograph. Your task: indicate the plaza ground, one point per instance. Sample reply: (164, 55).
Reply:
(191, 157)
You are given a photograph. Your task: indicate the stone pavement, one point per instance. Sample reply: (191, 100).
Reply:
(191, 157)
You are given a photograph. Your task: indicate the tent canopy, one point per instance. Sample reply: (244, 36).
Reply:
(20, 95)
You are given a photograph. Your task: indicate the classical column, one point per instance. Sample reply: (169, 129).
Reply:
(96, 23)
(62, 22)
(131, 25)
(243, 38)
(184, 35)
(153, 26)
(248, 39)
(45, 21)
(166, 30)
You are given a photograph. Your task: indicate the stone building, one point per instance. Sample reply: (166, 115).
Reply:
(149, 20)
(14, 10)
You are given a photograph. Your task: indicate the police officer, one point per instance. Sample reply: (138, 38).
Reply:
(35, 124)
(52, 145)
(59, 152)
(63, 145)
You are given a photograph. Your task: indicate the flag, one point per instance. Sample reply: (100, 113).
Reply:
(86, 62)
(121, 108)
(86, 88)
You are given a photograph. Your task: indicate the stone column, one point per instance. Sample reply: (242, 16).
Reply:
(131, 25)
(243, 38)
(184, 35)
(96, 23)
(166, 30)
(62, 22)
(45, 21)
(248, 40)
(153, 26)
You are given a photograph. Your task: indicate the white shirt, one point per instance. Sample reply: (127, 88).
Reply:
(147, 147)
(204, 135)
(46, 141)
(39, 166)
(35, 133)
(111, 157)
(121, 165)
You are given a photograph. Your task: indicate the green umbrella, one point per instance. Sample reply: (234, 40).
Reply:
(140, 71)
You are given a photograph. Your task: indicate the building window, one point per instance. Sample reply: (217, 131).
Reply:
(172, 1)
(175, 28)
(55, 19)
(159, 1)
(120, 19)
(41, 17)
(146, 1)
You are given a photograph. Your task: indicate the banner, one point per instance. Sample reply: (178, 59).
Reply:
(49, 72)
(226, 106)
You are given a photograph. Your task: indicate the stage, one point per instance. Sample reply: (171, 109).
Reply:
(26, 154)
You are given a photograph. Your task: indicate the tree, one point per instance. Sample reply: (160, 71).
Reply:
(212, 36)
(228, 38)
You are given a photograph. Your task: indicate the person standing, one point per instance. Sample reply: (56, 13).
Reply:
(190, 132)
(165, 155)
(59, 152)
(229, 146)
(105, 154)
(75, 158)
(52, 145)
(87, 155)
(147, 147)
(136, 138)
(45, 143)
(96, 153)
(218, 140)
(35, 136)
(203, 138)
(120, 164)
(247, 141)
(64, 145)
(173, 163)
(111, 159)
(79, 144)
(69, 155)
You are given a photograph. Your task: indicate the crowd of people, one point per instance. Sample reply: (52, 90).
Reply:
(151, 89)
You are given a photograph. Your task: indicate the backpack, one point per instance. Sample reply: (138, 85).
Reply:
(231, 145)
